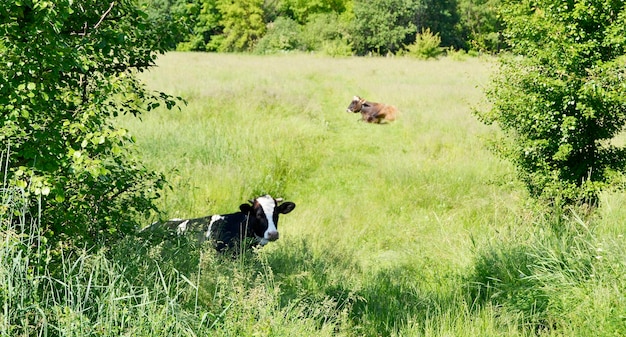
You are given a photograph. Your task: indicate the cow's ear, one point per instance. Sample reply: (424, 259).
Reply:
(286, 207)
(245, 208)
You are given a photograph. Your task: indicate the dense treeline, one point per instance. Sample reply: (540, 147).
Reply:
(335, 27)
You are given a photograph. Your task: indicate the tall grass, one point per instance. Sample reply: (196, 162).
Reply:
(407, 229)
(561, 278)
(86, 294)
(278, 125)
(131, 292)
(138, 289)
(402, 225)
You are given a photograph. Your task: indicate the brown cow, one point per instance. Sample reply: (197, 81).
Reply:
(373, 112)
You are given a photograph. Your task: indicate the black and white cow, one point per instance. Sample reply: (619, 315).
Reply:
(256, 224)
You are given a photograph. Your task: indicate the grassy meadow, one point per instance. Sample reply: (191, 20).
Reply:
(409, 229)
(418, 188)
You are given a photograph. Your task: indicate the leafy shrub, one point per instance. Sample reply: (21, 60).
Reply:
(326, 32)
(202, 21)
(482, 24)
(284, 34)
(562, 101)
(459, 55)
(426, 45)
(335, 48)
(382, 26)
(66, 71)
(302, 11)
(164, 14)
(243, 24)
(195, 43)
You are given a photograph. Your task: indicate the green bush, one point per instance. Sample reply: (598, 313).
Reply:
(337, 48)
(65, 72)
(302, 11)
(284, 34)
(243, 24)
(325, 32)
(561, 101)
(482, 24)
(382, 26)
(426, 45)
(202, 21)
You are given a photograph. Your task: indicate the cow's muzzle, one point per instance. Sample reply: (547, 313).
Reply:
(272, 236)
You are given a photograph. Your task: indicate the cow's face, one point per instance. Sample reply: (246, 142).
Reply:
(356, 104)
(263, 219)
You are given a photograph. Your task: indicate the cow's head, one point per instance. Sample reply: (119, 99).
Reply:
(263, 216)
(356, 104)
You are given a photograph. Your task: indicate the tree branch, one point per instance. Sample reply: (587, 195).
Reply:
(104, 15)
(86, 25)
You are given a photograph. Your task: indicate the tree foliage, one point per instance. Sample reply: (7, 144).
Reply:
(301, 10)
(282, 35)
(441, 17)
(328, 33)
(243, 24)
(325, 33)
(482, 24)
(382, 26)
(376, 26)
(563, 99)
(164, 16)
(203, 22)
(385, 26)
(67, 68)
(426, 45)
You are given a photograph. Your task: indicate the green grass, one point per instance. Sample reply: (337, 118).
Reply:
(278, 125)
(407, 229)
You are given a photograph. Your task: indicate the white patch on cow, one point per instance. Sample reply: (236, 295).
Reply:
(182, 227)
(214, 218)
(268, 204)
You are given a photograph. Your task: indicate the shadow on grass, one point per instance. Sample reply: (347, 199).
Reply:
(528, 276)
(325, 284)
(141, 257)
(377, 302)
(393, 298)
(311, 277)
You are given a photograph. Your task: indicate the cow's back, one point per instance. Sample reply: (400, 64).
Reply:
(228, 230)
(390, 112)
(379, 112)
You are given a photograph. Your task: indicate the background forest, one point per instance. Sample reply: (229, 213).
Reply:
(333, 27)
